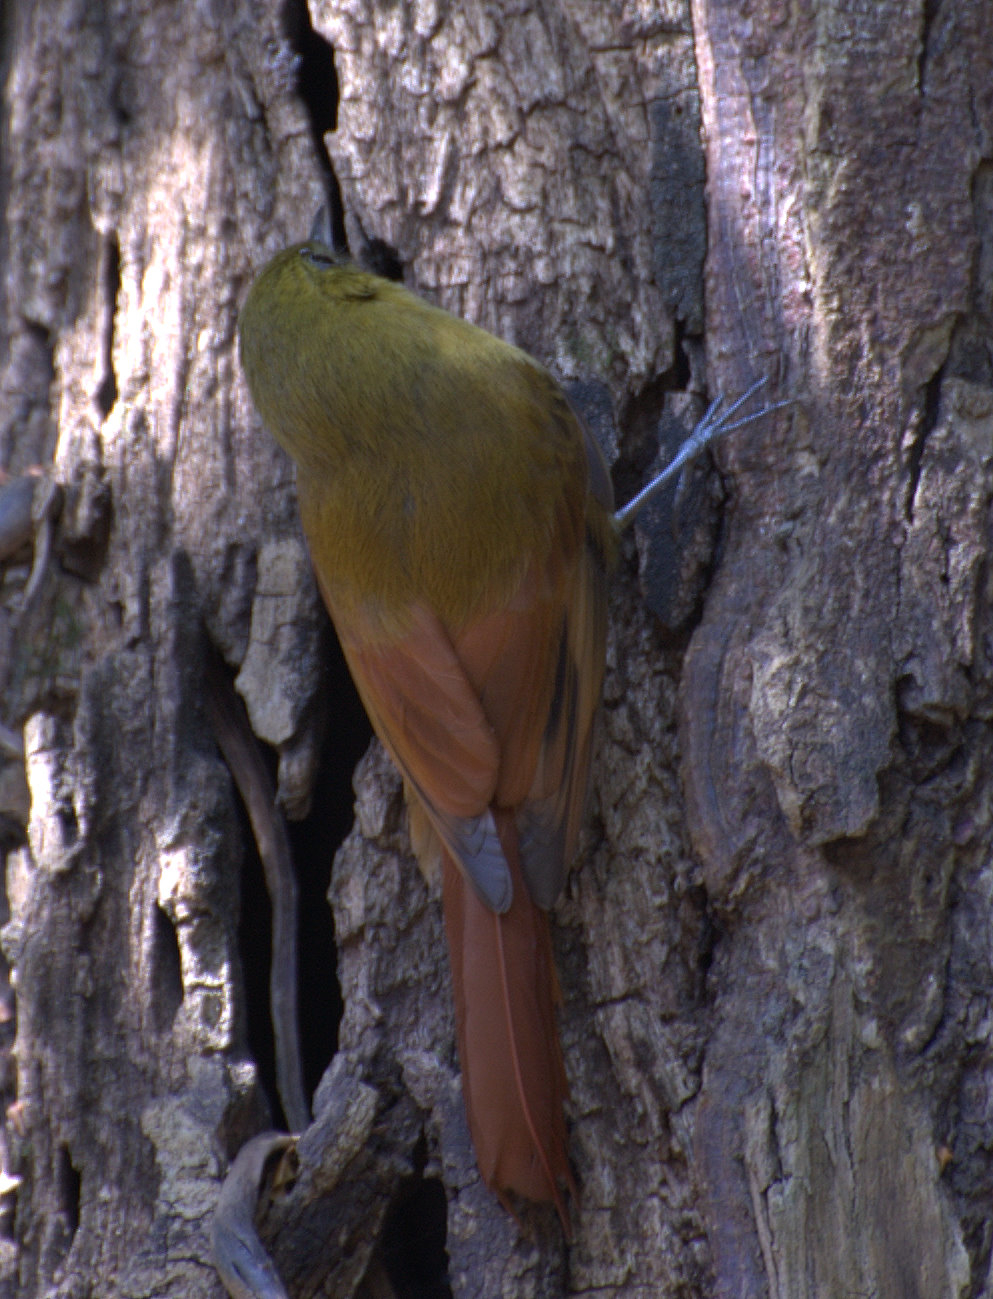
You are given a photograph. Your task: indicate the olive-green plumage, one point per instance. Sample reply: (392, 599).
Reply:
(458, 518)
(417, 434)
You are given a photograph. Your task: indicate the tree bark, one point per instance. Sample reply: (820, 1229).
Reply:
(836, 698)
(774, 953)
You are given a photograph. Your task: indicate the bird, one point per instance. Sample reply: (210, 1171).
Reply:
(460, 521)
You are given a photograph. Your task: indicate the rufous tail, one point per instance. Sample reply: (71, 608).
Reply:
(505, 990)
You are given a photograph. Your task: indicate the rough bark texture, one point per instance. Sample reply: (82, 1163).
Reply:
(836, 699)
(140, 188)
(775, 956)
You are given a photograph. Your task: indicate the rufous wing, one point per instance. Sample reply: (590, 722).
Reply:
(497, 714)
(550, 817)
(427, 714)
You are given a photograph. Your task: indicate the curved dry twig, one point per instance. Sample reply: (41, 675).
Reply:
(238, 744)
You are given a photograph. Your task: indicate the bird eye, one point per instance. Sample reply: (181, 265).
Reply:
(317, 258)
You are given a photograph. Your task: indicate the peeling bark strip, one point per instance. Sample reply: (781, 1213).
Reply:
(779, 1059)
(236, 742)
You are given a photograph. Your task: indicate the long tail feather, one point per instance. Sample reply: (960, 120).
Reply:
(513, 1079)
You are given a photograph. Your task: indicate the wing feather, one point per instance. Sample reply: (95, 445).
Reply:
(498, 713)
(425, 711)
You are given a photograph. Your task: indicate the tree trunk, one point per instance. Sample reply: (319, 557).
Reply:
(775, 952)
